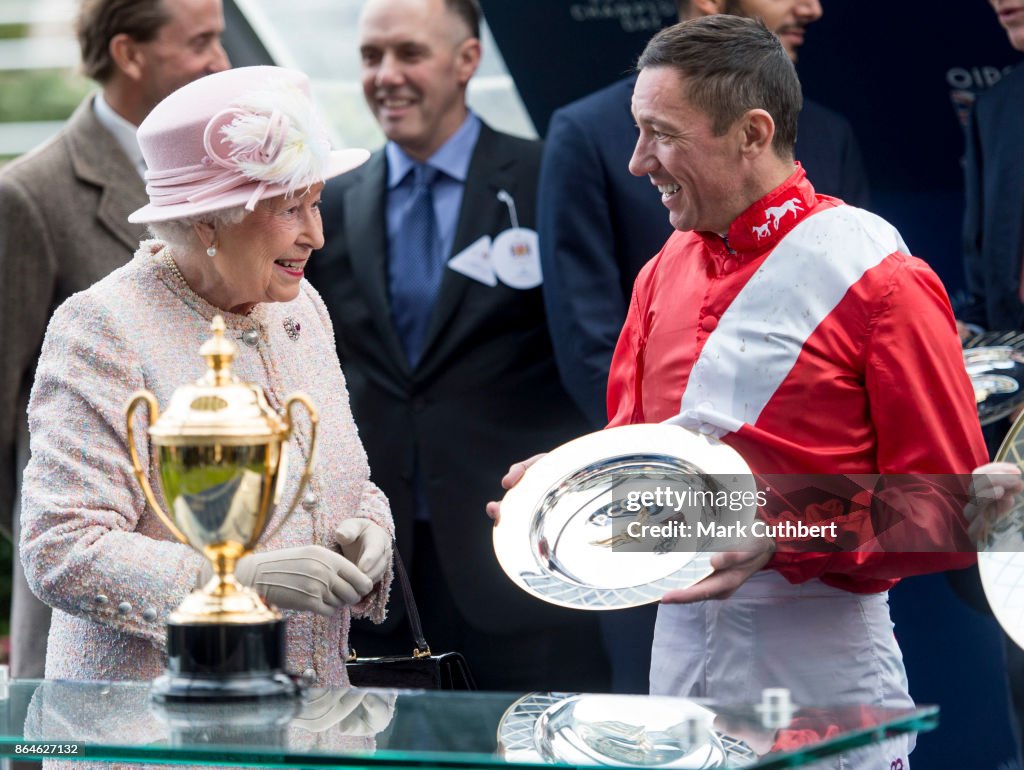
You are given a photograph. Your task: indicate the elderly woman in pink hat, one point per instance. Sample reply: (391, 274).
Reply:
(236, 163)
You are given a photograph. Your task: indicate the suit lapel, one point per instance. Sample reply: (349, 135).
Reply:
(98, 159)
(365, 228)
(490, 170)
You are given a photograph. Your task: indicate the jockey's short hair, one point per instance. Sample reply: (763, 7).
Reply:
(730, 65)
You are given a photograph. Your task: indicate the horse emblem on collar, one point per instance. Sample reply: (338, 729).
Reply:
(776, 213)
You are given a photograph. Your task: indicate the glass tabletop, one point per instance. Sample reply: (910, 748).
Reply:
(117, 721)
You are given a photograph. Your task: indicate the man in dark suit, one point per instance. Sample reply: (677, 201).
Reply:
(64, 219)
(431, 276)
(994, 173)
(599, 225)
(994, 244)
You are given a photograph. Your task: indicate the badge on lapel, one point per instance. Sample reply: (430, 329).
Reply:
(513, 257)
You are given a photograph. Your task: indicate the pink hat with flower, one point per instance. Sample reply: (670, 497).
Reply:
(234, 138)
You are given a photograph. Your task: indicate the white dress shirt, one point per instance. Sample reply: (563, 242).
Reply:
(122, 130)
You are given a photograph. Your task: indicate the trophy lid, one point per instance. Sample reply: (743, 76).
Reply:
(217, 409)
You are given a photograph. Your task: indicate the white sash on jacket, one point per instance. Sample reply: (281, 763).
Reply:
(760, 335)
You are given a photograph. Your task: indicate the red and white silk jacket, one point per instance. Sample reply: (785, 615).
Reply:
(810, 341)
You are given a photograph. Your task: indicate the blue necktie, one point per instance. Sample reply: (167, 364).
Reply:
(415, 266)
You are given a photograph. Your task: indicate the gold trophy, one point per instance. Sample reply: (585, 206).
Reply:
(220, 452)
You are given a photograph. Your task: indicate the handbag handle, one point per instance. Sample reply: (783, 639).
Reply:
(421, 649)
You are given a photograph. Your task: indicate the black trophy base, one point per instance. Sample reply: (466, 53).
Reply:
(226, 662)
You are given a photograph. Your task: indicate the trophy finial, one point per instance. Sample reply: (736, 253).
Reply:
(219, 352)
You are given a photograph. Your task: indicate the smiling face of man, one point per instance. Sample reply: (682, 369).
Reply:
(417, 59)
(187, 47)
(678, 149)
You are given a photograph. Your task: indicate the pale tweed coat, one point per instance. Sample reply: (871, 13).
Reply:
(91, 547)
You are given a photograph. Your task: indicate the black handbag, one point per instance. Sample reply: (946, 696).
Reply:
(422, 670)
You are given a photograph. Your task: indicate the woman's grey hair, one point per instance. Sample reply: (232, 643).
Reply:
(180, 234)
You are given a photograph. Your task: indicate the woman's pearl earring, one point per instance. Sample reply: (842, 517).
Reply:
(212, 251)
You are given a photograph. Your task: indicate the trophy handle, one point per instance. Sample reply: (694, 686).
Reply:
(140, 476)
(298, 398)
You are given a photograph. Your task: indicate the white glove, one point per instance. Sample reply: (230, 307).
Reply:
(994, 494)
(366, 544)
(309, 578)
(353, 712)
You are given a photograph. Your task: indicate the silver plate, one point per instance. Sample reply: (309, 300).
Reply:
(559, 524)
(1001, 553)
(995, 364)
(618, 731)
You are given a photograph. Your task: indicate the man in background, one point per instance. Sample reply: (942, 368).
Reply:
(993, 241)
(431, 275)
(64, 211)
(994, 189)
(599, 225)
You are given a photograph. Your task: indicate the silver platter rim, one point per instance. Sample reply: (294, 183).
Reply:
(1001, 552)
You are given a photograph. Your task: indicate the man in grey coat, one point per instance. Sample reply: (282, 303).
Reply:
(64, 219)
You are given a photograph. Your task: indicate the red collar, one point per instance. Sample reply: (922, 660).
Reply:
(766, 221)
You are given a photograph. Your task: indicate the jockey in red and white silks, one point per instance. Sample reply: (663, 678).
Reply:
(819, 347)
(808, 339)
